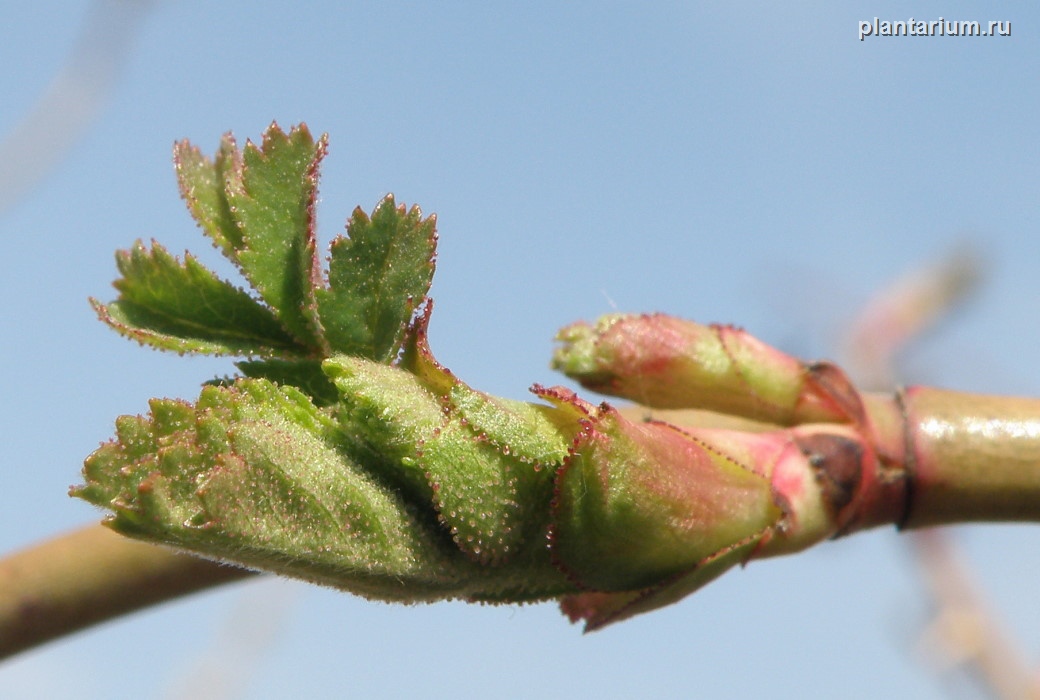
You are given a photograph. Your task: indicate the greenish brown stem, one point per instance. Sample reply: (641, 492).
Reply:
(89, 576)
(971, 457)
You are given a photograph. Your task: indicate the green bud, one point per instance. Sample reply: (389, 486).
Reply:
(665, 362)
(638, 503)
(255, 474)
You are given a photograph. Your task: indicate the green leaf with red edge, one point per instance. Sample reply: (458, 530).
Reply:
(257, 205)
(377, 278)
(184, 307)
(638, 503)
(202, 184)
(271, 192)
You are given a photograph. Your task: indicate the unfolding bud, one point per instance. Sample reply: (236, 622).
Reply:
(665, 362)
(645, 513)
(353, 458)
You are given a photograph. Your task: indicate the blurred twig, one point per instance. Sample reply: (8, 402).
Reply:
(902, 312)
(968, 633)
(965, 630)
(73, 99)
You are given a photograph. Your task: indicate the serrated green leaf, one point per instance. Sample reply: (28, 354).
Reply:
(202, 184)
(377, 278)
(257, 205)
(271, 194)
(182, 306)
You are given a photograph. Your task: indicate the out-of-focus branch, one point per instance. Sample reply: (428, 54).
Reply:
(964, 628)
(73, 99)
(903, 312)
(90, 575)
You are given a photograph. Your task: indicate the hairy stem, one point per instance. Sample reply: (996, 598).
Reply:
(89, 576)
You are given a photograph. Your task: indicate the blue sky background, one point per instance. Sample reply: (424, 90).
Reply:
(756, 165)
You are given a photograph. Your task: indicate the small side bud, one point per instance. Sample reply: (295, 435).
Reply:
(665, 362)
